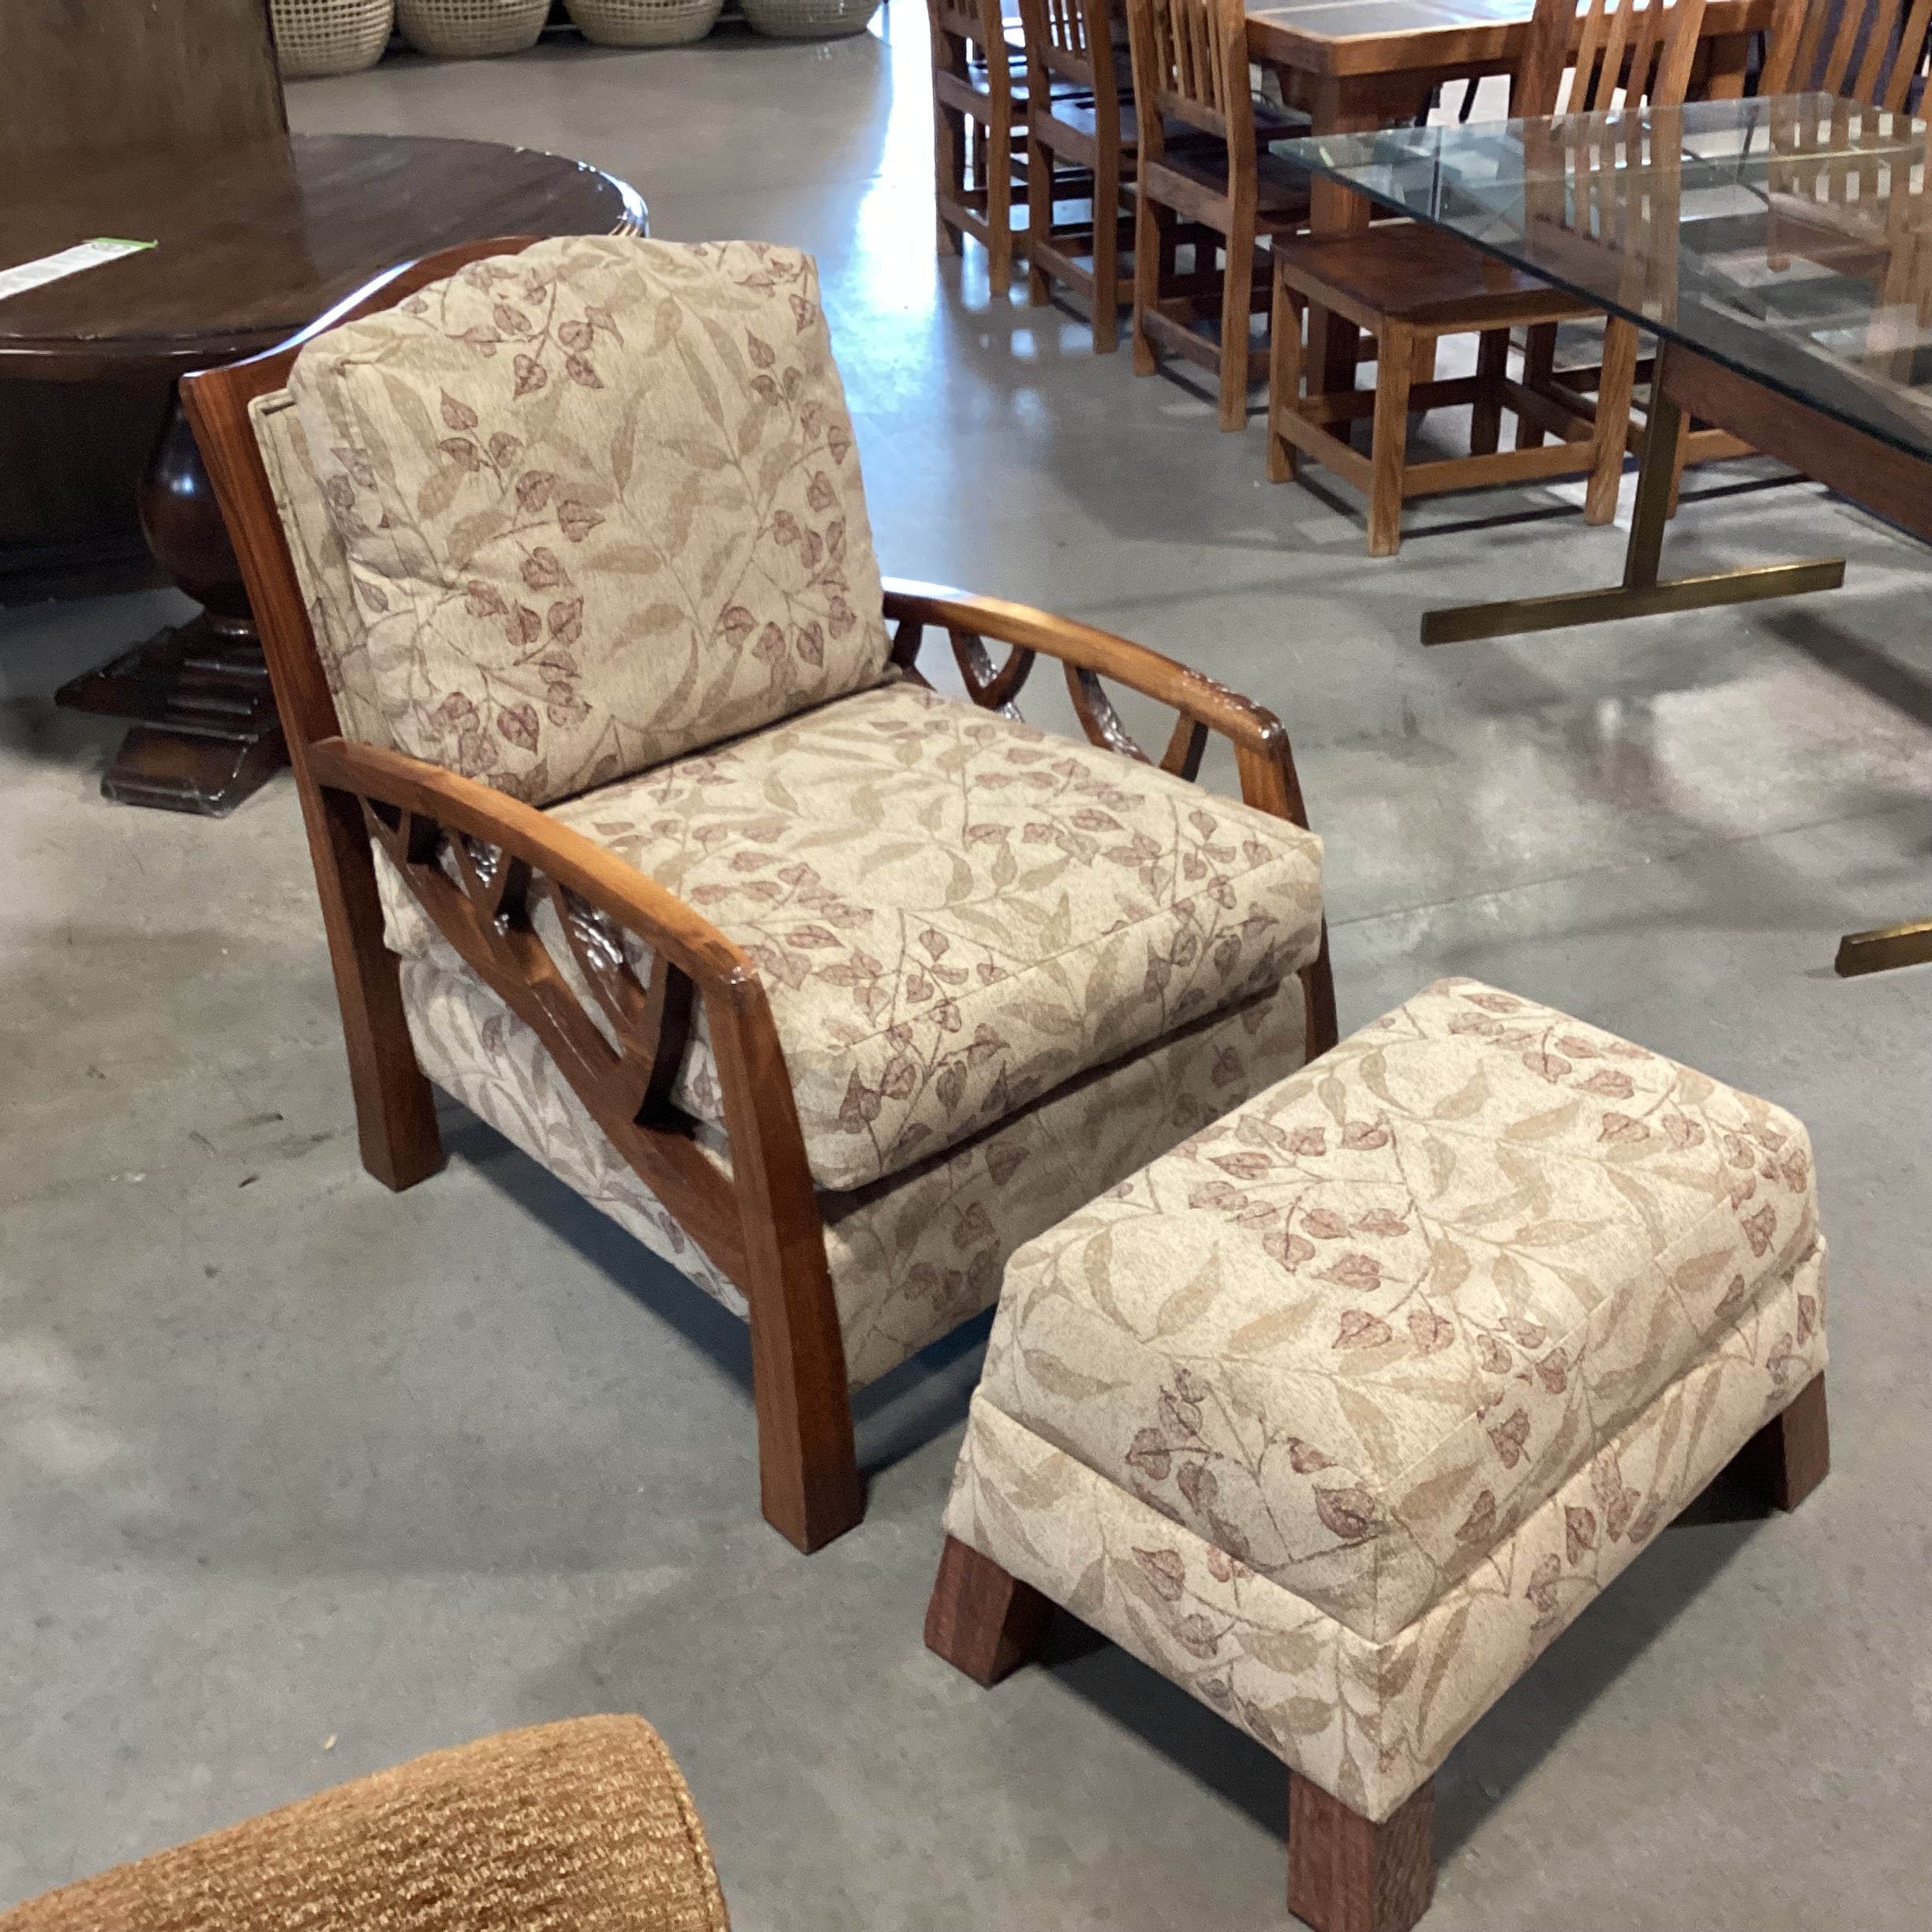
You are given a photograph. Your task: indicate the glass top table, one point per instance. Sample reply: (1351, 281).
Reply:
(1787, 241)
(1788, 238)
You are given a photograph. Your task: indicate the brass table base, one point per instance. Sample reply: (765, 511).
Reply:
(1886, 948)
(1641, 593)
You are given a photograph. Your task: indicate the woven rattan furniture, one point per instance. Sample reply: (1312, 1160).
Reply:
(644, 23)
(587, 1824)
(317, 37)
(471, 29)
(1338, 1413)
(916, 980)
(810, 20)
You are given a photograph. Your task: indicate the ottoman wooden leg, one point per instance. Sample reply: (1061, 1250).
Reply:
(1346, 1874)
(1791, 1455)
(980, 1619)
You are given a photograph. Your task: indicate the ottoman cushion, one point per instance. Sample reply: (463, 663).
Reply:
(1444, 1327)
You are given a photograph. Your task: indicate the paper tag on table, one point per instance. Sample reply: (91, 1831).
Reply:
(69, 261)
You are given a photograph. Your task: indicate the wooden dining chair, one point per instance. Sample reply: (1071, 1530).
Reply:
(1078, 125)
(980, 119)
(1408, 285)
(1870, 51)
(1190, 70)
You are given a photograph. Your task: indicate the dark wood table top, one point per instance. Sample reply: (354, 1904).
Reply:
(255, 239)
(1346, 37)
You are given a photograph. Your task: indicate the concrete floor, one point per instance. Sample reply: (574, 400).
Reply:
(298, 1478)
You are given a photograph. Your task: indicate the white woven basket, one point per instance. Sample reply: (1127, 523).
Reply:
(329, 36)
(467, 29)
(808, 19)
(644, 23)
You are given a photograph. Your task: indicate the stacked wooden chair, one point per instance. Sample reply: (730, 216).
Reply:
(1408, 285)
(1218, 189)
(979, 121)
(1084, 137)
(637, 829)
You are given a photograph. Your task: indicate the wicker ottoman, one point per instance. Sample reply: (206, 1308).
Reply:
(1339, 1412)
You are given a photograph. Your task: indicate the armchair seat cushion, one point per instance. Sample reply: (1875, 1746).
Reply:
(952, 913)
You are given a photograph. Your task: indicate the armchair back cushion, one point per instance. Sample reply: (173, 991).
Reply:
(600, 506)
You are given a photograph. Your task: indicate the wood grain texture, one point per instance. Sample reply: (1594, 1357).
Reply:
(1346, 1874)
(1791, 1455)
(100, 76)
(980, 1619)
(254, 239)
(1858, 466)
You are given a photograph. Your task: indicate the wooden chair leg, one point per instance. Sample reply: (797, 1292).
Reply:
(1791, 1455)
(395, 1107)
(1106, 200)
(1539, 368)
(998, 177)
(1284, 379)
(1236, 306)
(808, 1463)
(1486, 417)
(1039, 215)
(949, 170)
(1388, 449)
(1610, 436)
(980, 1619)
(1346, 1874)
(1153, 244)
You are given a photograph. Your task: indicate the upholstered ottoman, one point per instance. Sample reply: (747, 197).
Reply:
(1337, 1414)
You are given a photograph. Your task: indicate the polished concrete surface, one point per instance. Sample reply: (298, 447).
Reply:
(298, 1478)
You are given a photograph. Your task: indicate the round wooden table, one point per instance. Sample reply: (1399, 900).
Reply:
(254, 240)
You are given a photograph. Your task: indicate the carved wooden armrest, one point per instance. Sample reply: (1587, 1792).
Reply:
(506, 857)
(1260, 742)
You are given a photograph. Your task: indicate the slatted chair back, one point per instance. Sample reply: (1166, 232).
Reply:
(1069, 40)
(1869, 50)
(1636, 51)
(969, 36)
(1190, 64)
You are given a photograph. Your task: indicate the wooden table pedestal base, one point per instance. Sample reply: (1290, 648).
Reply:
(209, 734)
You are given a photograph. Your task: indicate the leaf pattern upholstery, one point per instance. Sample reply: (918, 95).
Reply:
(597, 504)
(952, 913)
(1360, 1330)
(1371, 1721)
(1337, 1413)
(911, 1257)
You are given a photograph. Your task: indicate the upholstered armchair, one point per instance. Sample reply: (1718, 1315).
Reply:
(637, 828)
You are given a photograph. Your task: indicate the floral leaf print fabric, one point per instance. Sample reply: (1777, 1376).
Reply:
(1355, 1333)
(599, 504)
(1371, 1721)
(952, 913)
(911, 1258)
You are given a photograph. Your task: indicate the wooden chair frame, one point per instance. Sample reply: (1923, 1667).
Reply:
(979, 134)
(1872, 57)
(1646, 48)
(1071, 42)
(1190, 65)
(761, 1227)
